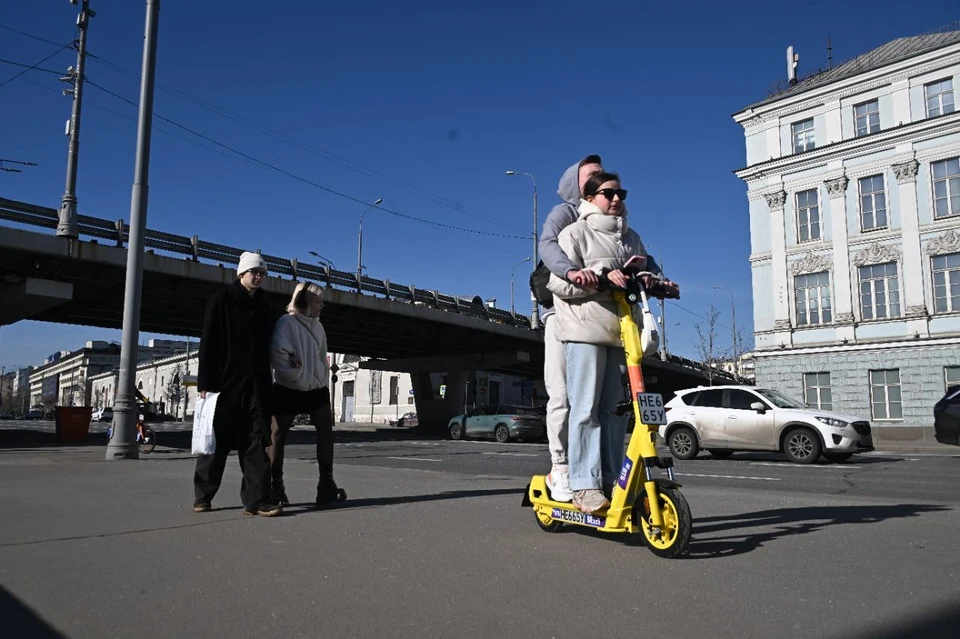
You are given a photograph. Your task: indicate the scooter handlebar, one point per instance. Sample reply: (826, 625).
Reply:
(656, 289)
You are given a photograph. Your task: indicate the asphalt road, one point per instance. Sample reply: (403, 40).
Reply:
(90, 548)
(883, 474)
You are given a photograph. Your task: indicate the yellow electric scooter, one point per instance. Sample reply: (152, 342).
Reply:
(653, 506)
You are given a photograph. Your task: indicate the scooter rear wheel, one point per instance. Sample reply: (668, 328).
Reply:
(673, 539)
(546, 522)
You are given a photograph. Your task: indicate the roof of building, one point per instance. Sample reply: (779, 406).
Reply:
(890, 53)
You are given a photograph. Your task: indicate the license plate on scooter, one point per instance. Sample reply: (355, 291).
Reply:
(652, 411)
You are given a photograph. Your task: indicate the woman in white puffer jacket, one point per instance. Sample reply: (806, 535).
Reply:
(589, 327)
(298, 355)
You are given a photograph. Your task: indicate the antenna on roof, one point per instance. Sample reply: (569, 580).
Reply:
(829, 54)
(792, 60)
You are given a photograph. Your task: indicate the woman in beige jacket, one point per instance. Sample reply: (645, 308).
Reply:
(589, 327)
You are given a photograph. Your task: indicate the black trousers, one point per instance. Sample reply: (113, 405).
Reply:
(236, 427)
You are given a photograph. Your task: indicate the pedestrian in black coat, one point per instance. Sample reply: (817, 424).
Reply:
(235, 362)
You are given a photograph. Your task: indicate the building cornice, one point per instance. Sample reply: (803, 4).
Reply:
(846, 348)
(912, 132)
(846, 87)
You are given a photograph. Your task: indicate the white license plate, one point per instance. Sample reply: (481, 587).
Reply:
(651, 408)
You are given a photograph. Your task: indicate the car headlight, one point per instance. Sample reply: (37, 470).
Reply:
(831, 421)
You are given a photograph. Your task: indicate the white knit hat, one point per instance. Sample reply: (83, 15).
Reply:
(250, 261)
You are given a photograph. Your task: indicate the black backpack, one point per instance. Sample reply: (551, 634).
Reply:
(538, 285)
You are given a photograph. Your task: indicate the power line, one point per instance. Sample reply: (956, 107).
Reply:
(32, 67)
(302, 179)
(278, 135)
(28, 35)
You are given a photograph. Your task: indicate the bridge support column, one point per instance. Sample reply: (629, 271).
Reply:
(433, 411)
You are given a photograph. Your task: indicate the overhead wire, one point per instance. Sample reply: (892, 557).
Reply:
(300, 178)
(30, 67)
(280, 136)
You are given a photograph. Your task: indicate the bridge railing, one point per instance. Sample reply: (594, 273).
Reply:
(196, 249)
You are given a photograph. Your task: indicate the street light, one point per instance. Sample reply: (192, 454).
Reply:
(535, 315)
(512, 271)
(320, 257)
(360, 242)
(733, 330)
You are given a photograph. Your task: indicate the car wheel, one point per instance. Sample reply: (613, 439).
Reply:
(720, 453)
(502, 433)
(456, 431)
(836, 458)
(683, 443)
(802, 446)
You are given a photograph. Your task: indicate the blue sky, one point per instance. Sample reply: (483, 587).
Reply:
(426, 105)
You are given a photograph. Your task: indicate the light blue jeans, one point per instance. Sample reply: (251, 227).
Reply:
(595, 433)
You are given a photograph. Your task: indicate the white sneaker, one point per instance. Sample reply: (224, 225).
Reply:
(558, 482)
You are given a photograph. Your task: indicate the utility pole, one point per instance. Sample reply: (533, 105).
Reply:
(67, 225)
(663, 321)
(123, 444)
(535, 314)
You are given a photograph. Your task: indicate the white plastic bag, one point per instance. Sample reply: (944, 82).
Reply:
(204, 439)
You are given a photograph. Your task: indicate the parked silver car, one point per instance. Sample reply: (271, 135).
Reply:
(725, 419)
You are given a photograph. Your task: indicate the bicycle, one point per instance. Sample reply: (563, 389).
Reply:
(146, 437)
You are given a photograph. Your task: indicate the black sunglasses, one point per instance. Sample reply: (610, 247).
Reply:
(609, 193)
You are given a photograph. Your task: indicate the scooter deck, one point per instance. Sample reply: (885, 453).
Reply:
(539, 497)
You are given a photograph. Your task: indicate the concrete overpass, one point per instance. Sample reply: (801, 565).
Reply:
(403, 328)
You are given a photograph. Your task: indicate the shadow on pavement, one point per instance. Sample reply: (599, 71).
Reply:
(786, 522)
(369, 502)
(940, 622)
(21, 438)
(19, 620)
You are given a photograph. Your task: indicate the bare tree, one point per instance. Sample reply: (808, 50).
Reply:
(708, 343)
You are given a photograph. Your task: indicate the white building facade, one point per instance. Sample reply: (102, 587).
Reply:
(853, 180)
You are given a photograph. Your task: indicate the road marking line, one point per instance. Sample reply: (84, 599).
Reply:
(513, 454)
(415, 459)
(681, 475)
(801, 467)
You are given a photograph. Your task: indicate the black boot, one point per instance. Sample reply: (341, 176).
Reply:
(278, 493)
(327, 489)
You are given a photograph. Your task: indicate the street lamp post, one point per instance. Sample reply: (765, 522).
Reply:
(360, 243)
(322, 258)
(512, 271)
(733, 330)
(535, 315)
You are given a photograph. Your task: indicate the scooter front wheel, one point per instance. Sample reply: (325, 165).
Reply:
(673, 538)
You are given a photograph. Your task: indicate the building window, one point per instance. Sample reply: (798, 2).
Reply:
(879, 291)
(939, 97)
(394, 391)
(951, 376)
(816, 390)
(813, 299)
(802, 133)
(946, 283)
(946, 188)
(867, 117)
(873, 203)
(885, 394)
(808, 216)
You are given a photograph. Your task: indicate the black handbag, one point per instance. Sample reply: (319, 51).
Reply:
(538, 285)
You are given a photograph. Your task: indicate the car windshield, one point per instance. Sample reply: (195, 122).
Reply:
(779, 399)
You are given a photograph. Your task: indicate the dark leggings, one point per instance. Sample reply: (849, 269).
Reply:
(321, 419)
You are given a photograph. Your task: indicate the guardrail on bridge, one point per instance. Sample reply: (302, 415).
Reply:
(196, 249)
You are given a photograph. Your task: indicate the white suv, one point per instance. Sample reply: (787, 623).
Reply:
(103, 415)
(724, 419)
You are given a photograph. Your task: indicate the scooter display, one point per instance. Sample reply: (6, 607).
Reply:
(640, 502)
